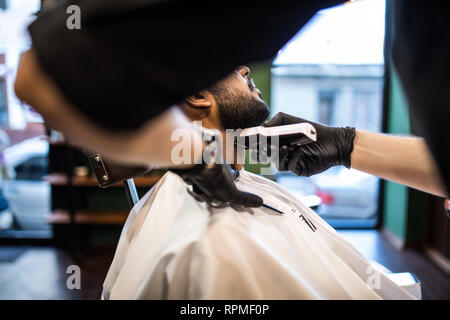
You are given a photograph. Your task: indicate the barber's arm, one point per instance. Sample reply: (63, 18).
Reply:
(150, 145)
(405, 160)
(109, 83)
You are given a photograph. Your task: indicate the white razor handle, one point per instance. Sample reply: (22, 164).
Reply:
(295, 134)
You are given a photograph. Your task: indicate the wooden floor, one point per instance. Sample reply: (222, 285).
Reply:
(39, 272)
(434, 281)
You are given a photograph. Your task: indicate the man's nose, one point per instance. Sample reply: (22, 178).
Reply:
(244, 71)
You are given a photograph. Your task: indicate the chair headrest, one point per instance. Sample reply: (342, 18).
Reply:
(109, 172)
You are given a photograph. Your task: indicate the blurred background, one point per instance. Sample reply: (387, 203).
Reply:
(332, 72)
(336, 71)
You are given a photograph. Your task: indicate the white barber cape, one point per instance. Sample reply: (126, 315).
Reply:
(174, 247)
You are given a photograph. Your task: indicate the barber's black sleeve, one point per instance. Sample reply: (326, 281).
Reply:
(132, 59)
(421, 53)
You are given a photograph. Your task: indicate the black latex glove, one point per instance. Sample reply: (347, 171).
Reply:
(332, 148)
(216, 183)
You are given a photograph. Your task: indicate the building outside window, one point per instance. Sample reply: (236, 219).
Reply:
(327, 107)
(332, 72)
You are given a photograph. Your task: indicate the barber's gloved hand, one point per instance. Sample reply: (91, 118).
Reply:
(332, 148)
(215, 181)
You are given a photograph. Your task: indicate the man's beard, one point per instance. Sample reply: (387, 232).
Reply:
(239, 111)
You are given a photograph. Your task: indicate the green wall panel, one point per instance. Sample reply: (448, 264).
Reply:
(396, 195)
(261, 75)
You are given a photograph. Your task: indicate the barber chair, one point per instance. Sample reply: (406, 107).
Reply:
(109, 172)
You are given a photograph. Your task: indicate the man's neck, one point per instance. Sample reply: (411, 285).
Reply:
(237, 166)
(234, 160)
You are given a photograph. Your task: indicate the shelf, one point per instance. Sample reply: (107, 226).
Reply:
(60, 179)
(60, 216)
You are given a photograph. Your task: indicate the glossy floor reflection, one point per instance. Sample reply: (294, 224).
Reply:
(435, 282)
(39, 272)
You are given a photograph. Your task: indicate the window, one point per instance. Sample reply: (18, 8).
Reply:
(3, 108)
(3, 4)
(24, 196)
(326, 107)
(332, 72)
(367, 114)
(33, 169)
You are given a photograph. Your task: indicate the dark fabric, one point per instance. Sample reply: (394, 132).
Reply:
(421, 54)
(132, 59)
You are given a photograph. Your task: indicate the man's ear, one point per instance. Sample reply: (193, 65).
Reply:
(200, 100)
